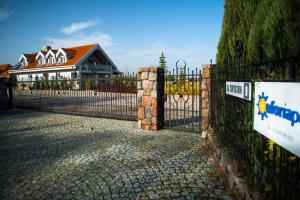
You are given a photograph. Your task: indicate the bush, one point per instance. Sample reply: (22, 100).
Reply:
(43, 87)
(182, 88)
(88, 84)
(64, 84)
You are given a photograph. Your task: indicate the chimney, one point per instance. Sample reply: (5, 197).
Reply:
(46, 48)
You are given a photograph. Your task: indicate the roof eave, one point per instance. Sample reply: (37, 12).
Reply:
(97, 46)
(32, 70)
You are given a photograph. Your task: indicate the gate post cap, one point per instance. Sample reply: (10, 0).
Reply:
(206, 66)
(143, 69)
(149, 69)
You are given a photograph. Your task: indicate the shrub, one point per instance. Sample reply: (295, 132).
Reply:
(88, 84)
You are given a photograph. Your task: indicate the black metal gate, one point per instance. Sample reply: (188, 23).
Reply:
(273, 169)
(183, 99)
(111, 97)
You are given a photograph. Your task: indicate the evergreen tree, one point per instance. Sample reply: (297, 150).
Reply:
(163, 62)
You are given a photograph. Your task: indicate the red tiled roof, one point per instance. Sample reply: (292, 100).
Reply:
(69, 52)
(3, 70)
(77, 52)
(30, 57)
(4, 67)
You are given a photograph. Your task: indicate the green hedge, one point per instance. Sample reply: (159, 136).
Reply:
(269, 29)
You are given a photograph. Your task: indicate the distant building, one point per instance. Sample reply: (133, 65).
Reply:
(80, 62)
(4, 70)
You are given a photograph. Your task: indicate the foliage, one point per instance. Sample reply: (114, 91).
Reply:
(184, 87)
(56, 85)
(23, 85)
(52, 85)
(43, 87)
(269, 29)
(64, 84)
(46, 84)
(129, 81)
(88, 84)
(169, 78)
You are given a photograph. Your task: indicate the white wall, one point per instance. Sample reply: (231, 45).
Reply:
(26, 77)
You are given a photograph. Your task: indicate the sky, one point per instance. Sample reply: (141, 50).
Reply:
(132, 32)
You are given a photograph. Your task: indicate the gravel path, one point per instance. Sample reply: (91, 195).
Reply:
(56, 156)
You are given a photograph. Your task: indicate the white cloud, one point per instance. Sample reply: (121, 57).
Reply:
(104, 40)
(5, 9)
(75, 37)
(129, 58)
(75, 27)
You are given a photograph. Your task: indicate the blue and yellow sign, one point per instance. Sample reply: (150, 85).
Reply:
(284, 112)
(277, 113)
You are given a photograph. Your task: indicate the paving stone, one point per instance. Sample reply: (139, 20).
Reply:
(56, 156)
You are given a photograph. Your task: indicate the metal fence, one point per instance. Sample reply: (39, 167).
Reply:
(273, 169)
(106, 97)
(182, 108)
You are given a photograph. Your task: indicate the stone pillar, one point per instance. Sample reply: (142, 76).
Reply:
(150, 92)
(206, 92)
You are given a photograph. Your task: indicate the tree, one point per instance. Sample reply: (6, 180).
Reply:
(46, 81)
(163, 62)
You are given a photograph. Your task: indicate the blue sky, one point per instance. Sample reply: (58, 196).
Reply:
(132, 32)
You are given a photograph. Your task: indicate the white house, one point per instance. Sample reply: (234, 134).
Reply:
(80, 62)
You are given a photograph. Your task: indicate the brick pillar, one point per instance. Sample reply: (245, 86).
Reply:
(206, 92)
(150, 91)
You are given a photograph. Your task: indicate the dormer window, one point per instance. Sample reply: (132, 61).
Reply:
(50, 60)
(40, 57)
(61, 59)
(50, 57)
(24, 63)
(41, 61)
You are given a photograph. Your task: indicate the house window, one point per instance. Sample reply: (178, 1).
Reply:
(41, 61)
(73, 75)
(61, 59)
(51, 60)
(24, 63)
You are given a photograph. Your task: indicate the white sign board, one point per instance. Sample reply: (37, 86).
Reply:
(277, 113)
(239, 89)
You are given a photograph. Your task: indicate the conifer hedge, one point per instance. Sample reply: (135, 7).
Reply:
(269, 29)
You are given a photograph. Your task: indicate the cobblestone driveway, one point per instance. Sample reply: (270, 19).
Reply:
(55, 156)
